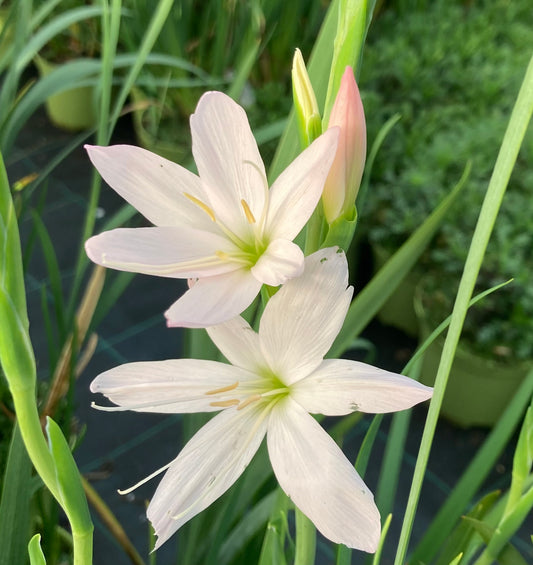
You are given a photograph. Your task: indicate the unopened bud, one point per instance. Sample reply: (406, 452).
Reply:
(309, 122)
(344, 179)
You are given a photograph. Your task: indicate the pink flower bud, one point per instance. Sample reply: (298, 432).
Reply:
(345, 174)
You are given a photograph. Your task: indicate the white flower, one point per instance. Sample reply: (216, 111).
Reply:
(224, 227)
(277, 377)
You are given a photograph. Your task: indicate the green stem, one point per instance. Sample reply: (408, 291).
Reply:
(32, 434)
(502, 171)
(506, 529)
(305, 540)
(38, 450)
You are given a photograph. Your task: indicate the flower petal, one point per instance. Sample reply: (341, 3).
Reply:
(282, 260)
(214, 300)
(239, 343)
(340, 386)
(296, 192)
(303, 318)
(206, 468)
(228, 161)
(151, 184)
(179, 252)
(170, 387)
(318, 478)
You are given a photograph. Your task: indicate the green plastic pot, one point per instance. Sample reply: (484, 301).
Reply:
(73, 109)
(479, 388)
(398, 311)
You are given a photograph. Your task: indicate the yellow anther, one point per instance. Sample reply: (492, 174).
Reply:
(224, 388)
(249, 400)
(225, 403)
(203, 206)
(247, 212)
(222, 255)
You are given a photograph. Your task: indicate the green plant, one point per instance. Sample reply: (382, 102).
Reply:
(452, 73)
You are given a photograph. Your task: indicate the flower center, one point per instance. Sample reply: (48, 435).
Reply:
(267, 388)
(248, 252)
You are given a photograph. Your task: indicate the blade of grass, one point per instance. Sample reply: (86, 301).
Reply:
(53, 272)
(15, 524)
(394, 449)
(512, 141)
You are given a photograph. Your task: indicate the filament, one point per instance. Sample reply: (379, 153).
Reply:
(145, 480)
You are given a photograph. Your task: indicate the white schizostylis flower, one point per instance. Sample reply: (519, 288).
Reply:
(224, 227)
(276, 379)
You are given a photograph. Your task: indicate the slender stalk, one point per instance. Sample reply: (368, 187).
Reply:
(502, 171)
(305, 540)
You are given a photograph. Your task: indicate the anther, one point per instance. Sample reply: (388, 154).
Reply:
(225, 403)
(224, 388)
(247, 212)
(203, 206)
(249, 400)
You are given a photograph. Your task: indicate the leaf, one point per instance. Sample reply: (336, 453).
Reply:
(474, 475)
(16, 353)
(461, 537)
(244, 531)
(15, 503)
(273, 549)
(318, 67)
(68, 479)
(35, 552)
(509, 554)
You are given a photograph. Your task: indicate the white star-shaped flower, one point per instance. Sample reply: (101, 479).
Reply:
(224, 227)
(276, 379)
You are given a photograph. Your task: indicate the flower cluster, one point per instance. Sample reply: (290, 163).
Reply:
(233, 234)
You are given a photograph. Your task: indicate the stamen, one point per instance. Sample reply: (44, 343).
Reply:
(264, 213)
(225, 403)
(203, 206)
(145, 480)
(248, 401)
(224, 388)
(240, 258)
(247, 211)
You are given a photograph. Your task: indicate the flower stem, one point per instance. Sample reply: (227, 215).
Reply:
(305, 540)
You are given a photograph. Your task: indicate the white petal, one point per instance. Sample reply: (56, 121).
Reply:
(340, 386)
(171, 387)
(239, 343)
(281, 261)
(206, 467)
(318, 478)
(151, 184)
(228, 160)
(214, 300)
(303, 318)
(296, 192)
(179, 252)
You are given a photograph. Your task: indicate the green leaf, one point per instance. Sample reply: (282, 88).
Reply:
(317, 68)
(15, 503)
(273, 549)
(461, 537)
(348, 44)
(35, 552)
(509, 554)
(68, 479)
(54, 274)
(16, 353)
(249, 526)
